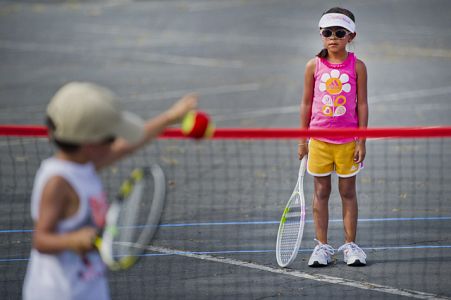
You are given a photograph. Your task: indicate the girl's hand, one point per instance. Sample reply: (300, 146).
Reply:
(177, 111)
(302, 150)
(359, 152)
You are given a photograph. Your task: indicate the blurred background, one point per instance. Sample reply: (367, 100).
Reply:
(246, 59)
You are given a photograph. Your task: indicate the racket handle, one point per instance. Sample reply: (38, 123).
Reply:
(97, 242)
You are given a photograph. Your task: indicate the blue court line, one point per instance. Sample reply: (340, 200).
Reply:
(17, 231)
(307, 221)
(301, 250)
(223, 223)
(262, 251)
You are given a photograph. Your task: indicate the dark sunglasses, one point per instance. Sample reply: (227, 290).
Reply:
(339, 34)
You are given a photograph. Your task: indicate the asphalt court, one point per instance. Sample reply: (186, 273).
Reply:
(246, 60)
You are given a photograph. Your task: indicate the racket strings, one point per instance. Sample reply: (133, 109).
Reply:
(132, 223)
(293, 223)
(140, 215)
(295, 212)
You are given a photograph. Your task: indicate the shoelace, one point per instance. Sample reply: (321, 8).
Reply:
(325, 247)
(353, 248)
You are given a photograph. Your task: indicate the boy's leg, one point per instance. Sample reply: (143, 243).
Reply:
(347, 189)
(321, 206)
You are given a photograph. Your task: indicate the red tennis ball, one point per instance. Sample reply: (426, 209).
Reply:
(197, 125)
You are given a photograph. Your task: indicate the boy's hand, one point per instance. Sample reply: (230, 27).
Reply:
(82, 240)
(177, 111)
(359, 152)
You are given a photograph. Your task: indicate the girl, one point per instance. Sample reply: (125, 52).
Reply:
(335, 96)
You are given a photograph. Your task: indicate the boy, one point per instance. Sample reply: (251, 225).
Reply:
(68, 204)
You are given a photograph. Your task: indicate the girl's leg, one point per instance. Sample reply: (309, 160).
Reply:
(321, 207)
(347, 188)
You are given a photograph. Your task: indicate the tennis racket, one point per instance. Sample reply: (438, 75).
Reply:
(291, 225)
(132, 218)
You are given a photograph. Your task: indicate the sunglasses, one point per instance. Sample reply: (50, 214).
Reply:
(339, 34)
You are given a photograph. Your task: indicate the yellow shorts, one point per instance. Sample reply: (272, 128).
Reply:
(324, 158)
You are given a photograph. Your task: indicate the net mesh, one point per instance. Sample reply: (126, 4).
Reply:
(225, 197)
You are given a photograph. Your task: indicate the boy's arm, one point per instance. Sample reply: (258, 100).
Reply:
(306, 104)
(362, 108)
(54, 199)
(153, 128)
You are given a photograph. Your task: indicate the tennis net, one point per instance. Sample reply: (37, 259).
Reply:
(225, 197)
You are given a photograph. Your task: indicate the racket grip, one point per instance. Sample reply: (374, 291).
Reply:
(97, 242)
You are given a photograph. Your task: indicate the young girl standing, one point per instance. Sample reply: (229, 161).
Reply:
(335, 96)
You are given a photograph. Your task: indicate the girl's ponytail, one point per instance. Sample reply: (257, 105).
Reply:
(323, 53)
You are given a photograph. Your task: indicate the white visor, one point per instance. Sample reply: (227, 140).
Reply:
(337, 20)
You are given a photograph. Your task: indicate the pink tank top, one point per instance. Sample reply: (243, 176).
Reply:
(335, 97)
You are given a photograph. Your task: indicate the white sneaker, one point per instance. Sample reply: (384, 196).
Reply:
(321, 256)
(353, 255)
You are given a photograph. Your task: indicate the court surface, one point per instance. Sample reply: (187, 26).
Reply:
(246, 59)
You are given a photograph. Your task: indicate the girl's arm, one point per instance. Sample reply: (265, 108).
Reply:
(153, 127)
(54, 201)
(362, 108)
(306, 104)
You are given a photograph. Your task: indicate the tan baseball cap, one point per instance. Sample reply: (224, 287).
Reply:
(84, 112)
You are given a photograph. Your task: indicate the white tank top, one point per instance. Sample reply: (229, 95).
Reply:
(67, 275)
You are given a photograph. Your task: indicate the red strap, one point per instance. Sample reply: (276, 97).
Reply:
(266, 133)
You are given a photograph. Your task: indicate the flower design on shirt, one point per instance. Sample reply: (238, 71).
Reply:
(335, 107)
(334, 83)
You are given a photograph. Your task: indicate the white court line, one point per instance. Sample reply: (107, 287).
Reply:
(252, 87)
(177, 37)
(199, 6)
(422, 93)
(172, 94)
(22, 142)
(140, 56)
(395, 97)
(167, 95)
(212, 5)
(216, 90)
(192, 6)
(298, 274)
(371, 27)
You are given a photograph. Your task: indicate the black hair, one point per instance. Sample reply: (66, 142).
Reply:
(63, 146)
(337, 10)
